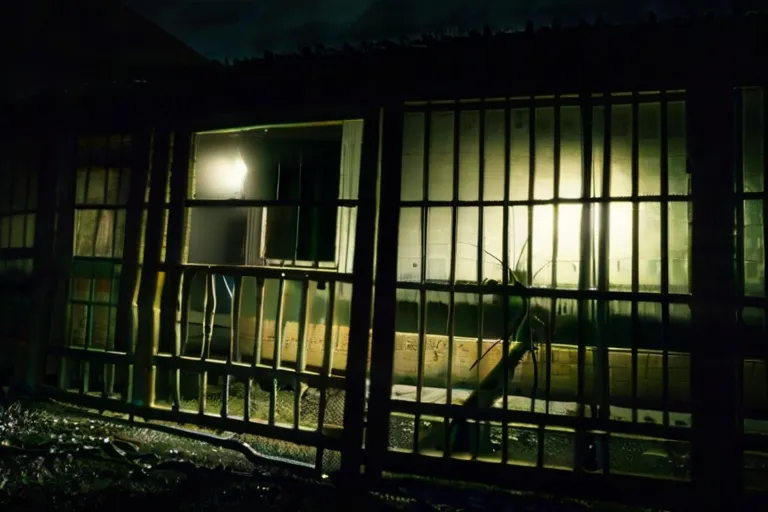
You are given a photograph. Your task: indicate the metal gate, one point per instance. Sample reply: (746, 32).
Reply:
(540, 318)
(551, 318)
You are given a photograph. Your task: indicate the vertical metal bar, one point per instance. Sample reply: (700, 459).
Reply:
(44, 236)
(258, 335)
(277, 353)
(259, 327)
(481, 245)
(665, 257)
(327, 368)
(422, 304)
(64, 248)
(553, 268)
(180, 348)
(301, 351)
(739, 228)
(234, 343)
(716, 373)
(149, 333)
(126, 321)
(209, 315)
(505, 343)
(635, 262)
(386, 290)
(764, 95)
(109, 369)
(531, 196)
(362, 293)
(86, 365)
(175, 309)
(601, 366)
(451, 324)
(584, 267)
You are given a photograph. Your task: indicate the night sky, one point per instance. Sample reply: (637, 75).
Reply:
(245, 28)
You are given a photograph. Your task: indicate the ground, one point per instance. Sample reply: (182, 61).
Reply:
(56, 457)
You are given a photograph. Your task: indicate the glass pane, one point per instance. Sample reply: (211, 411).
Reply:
(649, 146)
(18, 231)
(520, 155)
(469, 156)
(679, 247)
(620, 246)
(412, 181)
(570, 152)
(467, 244)
(753, 130)
(441, 156)
(5, 232)
(544, 187)
(754, 249)
(95, 232)
(284, 162)
(649, 247)
(493, 174)
(439, 225)
(621, 151)
(676, 149)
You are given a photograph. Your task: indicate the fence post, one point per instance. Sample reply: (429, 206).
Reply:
(383, 344)
(58, 152)
(65, 167)
(362, 292)
(715, 356)
(170, 309)
(151, 281)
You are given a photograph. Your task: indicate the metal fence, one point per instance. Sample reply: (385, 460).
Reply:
(551, 287)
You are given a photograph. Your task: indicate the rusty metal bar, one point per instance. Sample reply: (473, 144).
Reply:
(451, 323)
(362, 293)
(504, 283)
(327, 369)
(585, 266)
(209, 314)
(257, 341)
(422, 304)
(635, 262)
(463, 203)
(180, 347)
(149, 332)
(291, 274)
(601, 360)
(529, 420)
(383, 345)
(86, 366)
(175, 305)
(664, 171)
(233, 353)
(527, 101)
(715, 466)
(126, 321)
(301, 351)
(764, 199)
(277, 353)
(480, 247)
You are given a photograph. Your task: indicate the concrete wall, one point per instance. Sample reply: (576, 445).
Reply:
(564, 366)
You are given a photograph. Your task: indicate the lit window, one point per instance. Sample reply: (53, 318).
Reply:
(275, 196)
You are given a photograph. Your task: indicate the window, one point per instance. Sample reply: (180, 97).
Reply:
(535, 211)
(18, 205)
(101, 195)
(277, 195)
